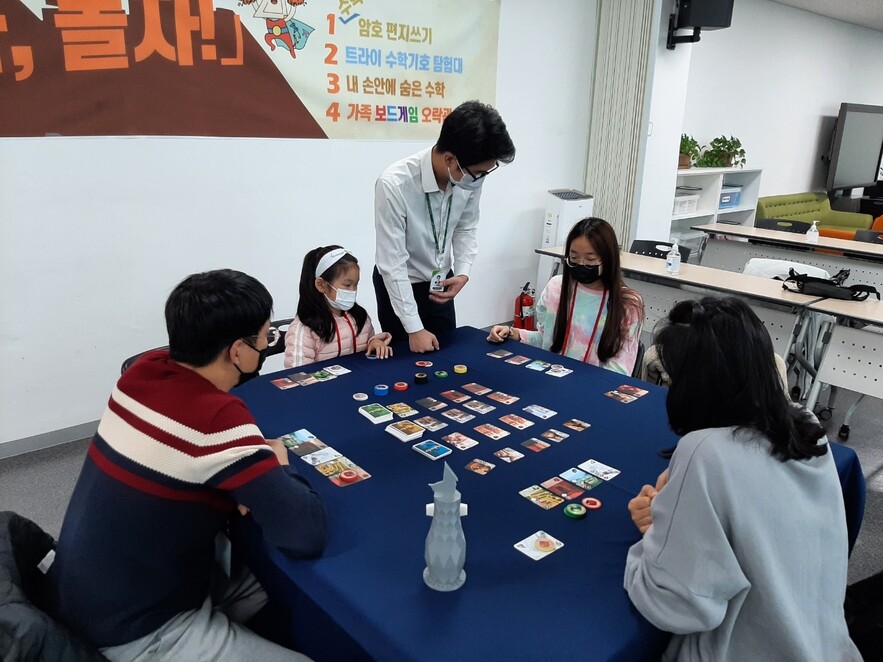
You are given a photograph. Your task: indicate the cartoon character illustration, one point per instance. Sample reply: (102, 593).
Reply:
(281, 24)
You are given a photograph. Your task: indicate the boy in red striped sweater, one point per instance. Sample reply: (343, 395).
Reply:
(174, 457)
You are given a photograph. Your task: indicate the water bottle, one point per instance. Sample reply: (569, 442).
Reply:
(673, 260)
(812, 235)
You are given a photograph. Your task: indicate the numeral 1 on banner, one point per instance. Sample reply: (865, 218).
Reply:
(331, 23)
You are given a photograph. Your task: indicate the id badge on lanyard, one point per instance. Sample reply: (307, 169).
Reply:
(438, 274)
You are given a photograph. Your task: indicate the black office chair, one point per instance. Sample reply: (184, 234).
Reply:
(783, 225)
(278, 348)
(639, 357)
(869, 236)
(658, 249)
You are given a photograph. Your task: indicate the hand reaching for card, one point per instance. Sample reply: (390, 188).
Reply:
(379, 347)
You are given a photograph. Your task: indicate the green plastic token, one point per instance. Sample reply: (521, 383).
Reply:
(441, 373)
(575, 511)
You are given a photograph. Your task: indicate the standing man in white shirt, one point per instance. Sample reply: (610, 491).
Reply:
(426, 216)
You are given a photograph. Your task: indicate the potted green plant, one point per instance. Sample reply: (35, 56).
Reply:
(689, 151)
(722, 152)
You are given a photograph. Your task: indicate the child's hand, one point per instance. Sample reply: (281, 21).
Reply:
(379, 348)
(499, 333)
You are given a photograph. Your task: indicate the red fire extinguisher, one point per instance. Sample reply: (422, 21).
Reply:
(524, 310)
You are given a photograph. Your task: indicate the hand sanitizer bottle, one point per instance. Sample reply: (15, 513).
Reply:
(673, 260)
(812, 235)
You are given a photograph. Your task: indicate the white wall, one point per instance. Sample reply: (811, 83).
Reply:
(775, 79)
(94, 232)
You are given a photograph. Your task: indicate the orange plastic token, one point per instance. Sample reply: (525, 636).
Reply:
(592, 503)
(400, 386)
(348, 476)
(544, 545)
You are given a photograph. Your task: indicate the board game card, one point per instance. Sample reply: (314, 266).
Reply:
(430, 423)
(538, 365)
(563, 488)
(402, 409)
(535, 445)
(405, 430)
(559, 371)
(619, 396)
(480, 467)
(322, 375)
(540, 412)
(576, 424)
(302, 442)
(541, 497)
(492, 431)
(504, 398)
(431, 404)
(508, 455)
(480, 407)
(460, 441)
(321, 456)
(303, 378)
(476, 389)
(334, 468)
(539, 545)
(628, 389)
(555, 435)
(284, 383)
(518, 359)
(337, 370)
(458, 415)
(598, 469)
(376, 413)
(516, 421)
(431, 449)
(455, 396)
(581, 478)
(499, 354)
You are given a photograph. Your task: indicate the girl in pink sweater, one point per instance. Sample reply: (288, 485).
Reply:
(329, 322)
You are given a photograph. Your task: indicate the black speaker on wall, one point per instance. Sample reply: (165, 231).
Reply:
(705, 14)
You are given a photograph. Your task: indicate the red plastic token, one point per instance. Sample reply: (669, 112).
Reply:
(348, 476)
(423, 364)
(400, 386)
(592, 503)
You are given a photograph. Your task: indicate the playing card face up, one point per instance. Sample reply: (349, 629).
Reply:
(598, 469)
(539, 545)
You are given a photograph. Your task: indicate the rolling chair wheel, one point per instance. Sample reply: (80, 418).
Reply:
(843, 434)
(825, 413)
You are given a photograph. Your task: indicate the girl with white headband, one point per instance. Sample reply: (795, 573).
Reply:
(329, 322)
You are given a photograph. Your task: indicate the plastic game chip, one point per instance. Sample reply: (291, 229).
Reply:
(360, 396)
(400, 386)
(592, 503)
(441, 373)
(423, 364)
(460, 369)
(544, 545)
(348, 476)
(421, 378)
(575, 511)
(381, 389)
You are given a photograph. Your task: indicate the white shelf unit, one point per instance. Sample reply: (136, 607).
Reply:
(710, 181)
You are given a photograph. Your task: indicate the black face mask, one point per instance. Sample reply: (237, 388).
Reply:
(585, 274)
(248, 376)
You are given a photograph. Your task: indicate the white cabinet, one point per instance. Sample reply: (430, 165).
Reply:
(708, 183)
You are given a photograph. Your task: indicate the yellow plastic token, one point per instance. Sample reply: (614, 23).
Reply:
(460, 369)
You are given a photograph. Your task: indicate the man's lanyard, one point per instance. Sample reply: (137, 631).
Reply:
(439, 253)
(594, 329)
(337, 335)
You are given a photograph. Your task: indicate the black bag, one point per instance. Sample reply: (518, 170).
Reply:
(831, 288)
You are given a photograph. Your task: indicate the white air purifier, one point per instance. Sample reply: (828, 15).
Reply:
(564, 207)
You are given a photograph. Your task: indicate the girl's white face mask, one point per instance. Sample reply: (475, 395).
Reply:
(344, 299)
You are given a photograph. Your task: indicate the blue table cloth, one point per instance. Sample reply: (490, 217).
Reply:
(366, 597)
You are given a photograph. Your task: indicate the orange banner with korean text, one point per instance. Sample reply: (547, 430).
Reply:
(361, 69)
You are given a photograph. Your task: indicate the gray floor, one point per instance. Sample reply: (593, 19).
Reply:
(38, 485)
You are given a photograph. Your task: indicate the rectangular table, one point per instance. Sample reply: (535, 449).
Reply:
(366, 598)
(863, 259)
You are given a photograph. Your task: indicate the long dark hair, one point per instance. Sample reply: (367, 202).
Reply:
(723, 373)
(603, 238)
(312, 308)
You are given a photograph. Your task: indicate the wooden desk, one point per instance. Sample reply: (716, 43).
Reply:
(860, 249)
(869, 311)
(864, 260)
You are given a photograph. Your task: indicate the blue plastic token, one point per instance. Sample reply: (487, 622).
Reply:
(381, 389)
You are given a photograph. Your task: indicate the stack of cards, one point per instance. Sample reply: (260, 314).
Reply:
(402, 409)
(626, 393)
(431, 449)
(405, 430)
(376, 413)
